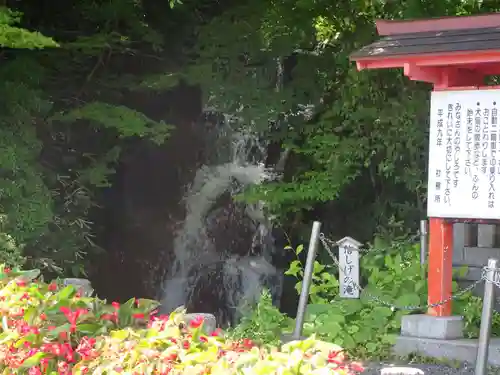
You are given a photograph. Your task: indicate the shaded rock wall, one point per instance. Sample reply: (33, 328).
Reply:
(142, 210)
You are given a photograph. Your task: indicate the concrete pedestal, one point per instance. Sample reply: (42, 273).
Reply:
(440, 338)
(432, 327)
(463, 350)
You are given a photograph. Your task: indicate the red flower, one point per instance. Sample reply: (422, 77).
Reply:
(72, 316)
(63, 368)
(138, 316)
(357, 367)
(86, 348)
(6, 270)
(52, 287)
(34, 371)
(111, 317)
(216, 333)
(116, 305)
(247, 343)
(171, 357)
(21, 283)
(43, 316)
(196, 322)
(335, 357)
(186, 345)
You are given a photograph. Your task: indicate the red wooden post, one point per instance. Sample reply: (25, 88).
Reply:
(440, 266)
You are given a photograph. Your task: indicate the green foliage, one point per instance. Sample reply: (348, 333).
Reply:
(262, 323)
(363, 142)
(127, 122)
(63, 125)
(365, 327)
(12, 36)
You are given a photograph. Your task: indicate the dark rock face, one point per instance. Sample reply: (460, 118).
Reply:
(143, 208)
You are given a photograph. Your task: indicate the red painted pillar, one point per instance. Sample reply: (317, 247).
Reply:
(440, 276)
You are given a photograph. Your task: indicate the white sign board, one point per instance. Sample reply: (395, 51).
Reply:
(349, 267)
(464, 170)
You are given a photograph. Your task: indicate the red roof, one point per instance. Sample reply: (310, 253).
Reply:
(393, 27)
(448, 52)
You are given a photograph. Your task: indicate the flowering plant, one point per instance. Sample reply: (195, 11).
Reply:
(50, 329)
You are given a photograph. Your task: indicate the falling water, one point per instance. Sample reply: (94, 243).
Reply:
(223, 247)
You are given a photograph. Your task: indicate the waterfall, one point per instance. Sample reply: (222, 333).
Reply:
(223, 248)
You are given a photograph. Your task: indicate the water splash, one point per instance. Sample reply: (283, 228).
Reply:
(223, 248)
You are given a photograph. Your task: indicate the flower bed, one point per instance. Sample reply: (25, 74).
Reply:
(50, 329)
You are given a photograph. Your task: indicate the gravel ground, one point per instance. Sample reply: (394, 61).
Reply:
(464, 369)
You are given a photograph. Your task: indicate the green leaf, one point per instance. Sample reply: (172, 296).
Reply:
(408, 299)
(88, 329)
(319, 308)
(299, 249)
(34, 360)
(294, 269)
(147, 305)
(381, 312)
(120, 335)
(29, 315)
(126, 121)
(371, 347)
(66, 293)
(318, 267)
(351, 306)
(56, 331)
(389, 339)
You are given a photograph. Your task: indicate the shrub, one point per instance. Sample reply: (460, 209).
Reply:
(365, 327)
(263, 323)
(47, 329)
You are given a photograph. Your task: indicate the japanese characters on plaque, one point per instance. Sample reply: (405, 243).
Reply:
(349, 267)
(463, 144)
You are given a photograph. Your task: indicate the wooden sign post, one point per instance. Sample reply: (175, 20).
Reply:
(349, 267)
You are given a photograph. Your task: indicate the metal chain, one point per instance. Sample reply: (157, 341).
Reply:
(332, 243)
(496, 278)
(393, 306)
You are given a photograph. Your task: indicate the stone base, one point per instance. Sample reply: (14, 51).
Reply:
(432, 327)
(459, 350)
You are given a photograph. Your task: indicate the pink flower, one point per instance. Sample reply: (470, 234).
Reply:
(196, 322)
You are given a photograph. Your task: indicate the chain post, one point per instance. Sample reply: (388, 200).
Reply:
(490, 276)
(306, 282)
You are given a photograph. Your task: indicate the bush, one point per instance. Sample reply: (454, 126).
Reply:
(47, 329)
(263, 323)
(366, 327)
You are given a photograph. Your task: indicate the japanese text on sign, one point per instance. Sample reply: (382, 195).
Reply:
(349, 268)
(463, 143)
